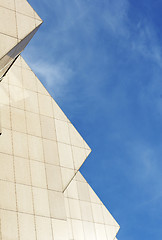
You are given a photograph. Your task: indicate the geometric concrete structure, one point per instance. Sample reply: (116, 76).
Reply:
(19, 22)
(42, 193)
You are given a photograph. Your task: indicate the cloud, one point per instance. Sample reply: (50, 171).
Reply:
(115, 16)
(55, 75)
(140, 36)
(69, 46)
(147, 44)
(145, 169)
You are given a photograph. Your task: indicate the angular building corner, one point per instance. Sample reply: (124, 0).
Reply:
(42, 193)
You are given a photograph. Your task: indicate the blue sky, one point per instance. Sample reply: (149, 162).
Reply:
(101, 60)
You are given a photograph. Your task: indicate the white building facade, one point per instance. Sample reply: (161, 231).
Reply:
(43, 196)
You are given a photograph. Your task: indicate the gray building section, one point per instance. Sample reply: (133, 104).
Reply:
(42, 193)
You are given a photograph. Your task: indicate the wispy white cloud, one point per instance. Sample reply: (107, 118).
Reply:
(144, 167)
(55, 75)
(115, 16)
(142, 36)
(146, 43)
